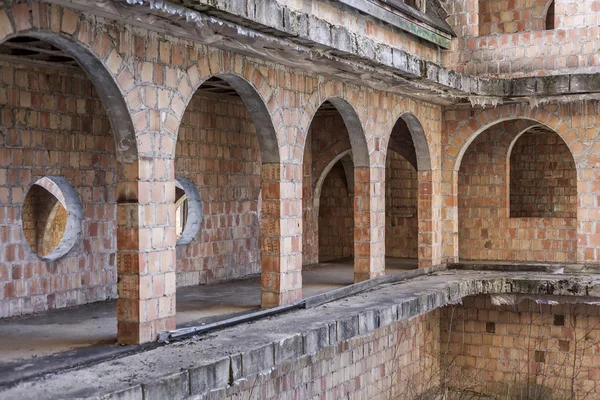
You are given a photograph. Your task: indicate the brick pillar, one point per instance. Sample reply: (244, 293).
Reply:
(588, 217)
(281, 238)
(146, 250)
(449, 215)
(429, 218)
(369, 223)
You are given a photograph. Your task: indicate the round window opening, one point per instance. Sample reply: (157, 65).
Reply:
(51, 217)
(188, 211)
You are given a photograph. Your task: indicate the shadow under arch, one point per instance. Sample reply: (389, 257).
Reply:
(108, 90)
(356, 134)
(319, 183)
(263, 122)
(419, 139)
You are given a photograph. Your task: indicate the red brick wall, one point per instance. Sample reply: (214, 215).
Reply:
(485, 230)
(507, 16)
(52, 123)
(543, 178)
(336, 217)
(550, 351)
(217, 148)
(401, 228)
(503, 49)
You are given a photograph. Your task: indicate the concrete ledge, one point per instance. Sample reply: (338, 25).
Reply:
(294, 36)
(176, 386)
(553, 268)
(243, 351)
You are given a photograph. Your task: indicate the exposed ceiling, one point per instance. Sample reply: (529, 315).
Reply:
(402, 143)
(218, 86)
(29, 50)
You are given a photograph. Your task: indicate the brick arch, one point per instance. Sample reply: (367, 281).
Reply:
(352, 116)
(102, 63)
(472, 128)
(418, 136)
(253, 92)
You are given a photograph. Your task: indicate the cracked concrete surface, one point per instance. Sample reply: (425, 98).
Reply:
(384, 305)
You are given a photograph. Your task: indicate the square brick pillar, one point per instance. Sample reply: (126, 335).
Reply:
(281, 237)
(429, 218)
(146, 250)
(449, 215)
(588, 217)
(369, 223)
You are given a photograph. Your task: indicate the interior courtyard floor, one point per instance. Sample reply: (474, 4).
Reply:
(66, 332)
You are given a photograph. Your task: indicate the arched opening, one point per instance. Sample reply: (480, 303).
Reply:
(407, 154)
(60, 120)
(223, 141)
(550, 16)
(335, 145)
(517, 196)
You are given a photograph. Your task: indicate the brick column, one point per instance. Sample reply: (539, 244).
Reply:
(588, 216)
(429, 218)
(369, 223)
(146, 250)
(449, 215)
(281, 241)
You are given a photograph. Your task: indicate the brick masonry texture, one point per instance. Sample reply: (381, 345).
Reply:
(401, 203)
(54, 124)
(152, 79)
(218, 150)
(511, 16)
(543, 177)
(328, 208)
(336, 217)
(388, 337)
(493, 228)
(133, 127)
(523, 349)
(571, 46)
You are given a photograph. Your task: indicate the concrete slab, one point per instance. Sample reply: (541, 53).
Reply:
(400, 301)
(79, 331)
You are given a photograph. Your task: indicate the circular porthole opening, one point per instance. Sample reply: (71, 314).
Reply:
(51, 217)
(188, 211)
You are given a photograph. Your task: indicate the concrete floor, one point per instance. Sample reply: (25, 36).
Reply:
(95, 325)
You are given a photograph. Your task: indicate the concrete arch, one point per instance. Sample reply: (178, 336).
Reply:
(261, 116)
(194, 211)
(104, 82)
(323, 176)
(419, 139)
(344, 100)
(358, 140)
